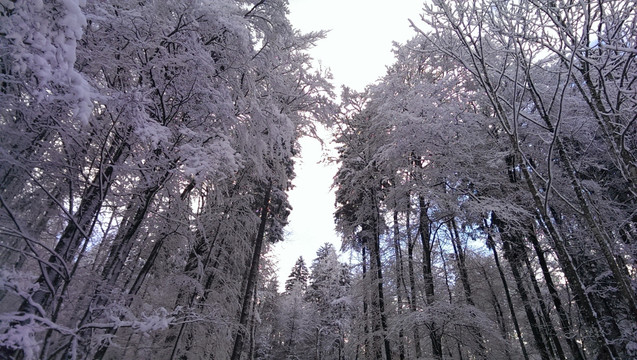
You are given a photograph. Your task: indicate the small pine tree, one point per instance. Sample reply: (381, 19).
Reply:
(298, 277)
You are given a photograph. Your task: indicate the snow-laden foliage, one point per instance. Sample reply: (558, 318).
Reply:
(486, 190)
(487, 176)
(145, 157)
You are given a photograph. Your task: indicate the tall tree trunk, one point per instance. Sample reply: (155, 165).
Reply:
(607, 349)
(399, 279)
(253, 323)
(380, 342)
(427, 270)
(548, 327)
(512, 252)
(499, 314)
(124, 240)
(601, 237)
(252, 278)
(56, 271)
(460, 252)
(198, 261)
(366, 334)
(557, 301)
(412, 284)
(143, 272)
(505, 285)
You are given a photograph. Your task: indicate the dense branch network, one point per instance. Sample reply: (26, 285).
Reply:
(486, 190)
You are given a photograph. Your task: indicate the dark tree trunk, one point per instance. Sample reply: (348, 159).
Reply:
(252, 278)
(366, 342)
(607, 349)
(143, 272)
(380, 342)
(512, 252)
(460, 252)
(75, 233)
(548, 327)
(412, 285)
(399, 279)
(505, 285)
(427, 270)
(499, 314)
(557, 301)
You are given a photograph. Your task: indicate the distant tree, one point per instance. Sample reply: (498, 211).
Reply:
(296, 315)
(329, 292)
(298, 277)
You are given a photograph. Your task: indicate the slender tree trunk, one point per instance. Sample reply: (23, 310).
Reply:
(252, 278)
(412, 285)
(460, 252)
(499, 314)
(460, 257)
(399, 279)
(551, 334)
(380, 342)
(144, 271)
(602, 239)
(512, 254)
(557, 301)
(427, 269)
(366, 342)
(253, 323)
(56, 272)
(124, 240)
(505, 285)
(581, 298)
(198, 261)
(445, 272)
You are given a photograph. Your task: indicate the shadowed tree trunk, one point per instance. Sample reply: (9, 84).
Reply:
(497, 309)
(144, 271)
(412, 284)
(427, 270)
(252, 278)
(399, 279)
(512, 252)
(548, 327)
(380, 341)
(557, 301)
(57, 269)
(505, 285)
(460, 252)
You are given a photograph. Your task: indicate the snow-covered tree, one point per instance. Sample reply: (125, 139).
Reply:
(329, 292)
(298, 277)
(148, 153)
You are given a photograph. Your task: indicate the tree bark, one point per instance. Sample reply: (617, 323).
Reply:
(366, 342)
(512, 252)
(55, 273)
(144, 271)
(412, 284)
(607, 349)
(548, 327)
(557, 301)
(460, 252)
(427, 270)
(399, 279)
(252, 278)
(505, 285)
(499, 314)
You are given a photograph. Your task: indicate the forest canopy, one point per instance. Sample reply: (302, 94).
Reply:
(486, 191)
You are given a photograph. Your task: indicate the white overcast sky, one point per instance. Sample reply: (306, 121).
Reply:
(357, 50)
